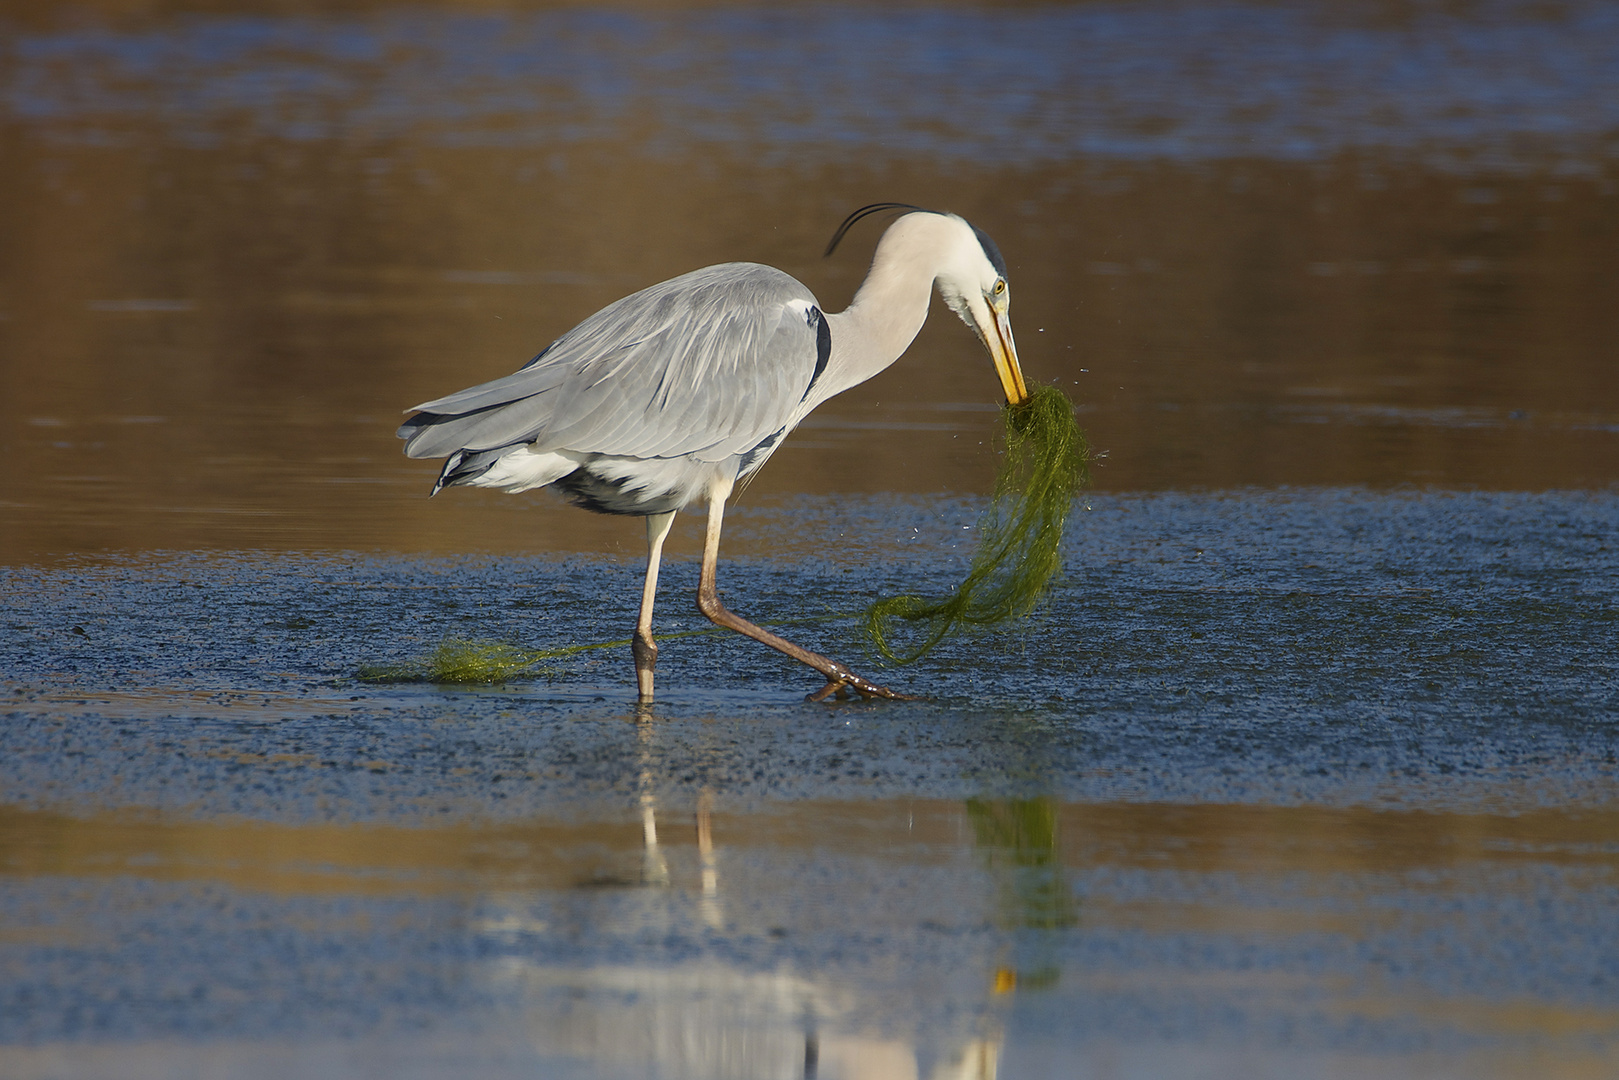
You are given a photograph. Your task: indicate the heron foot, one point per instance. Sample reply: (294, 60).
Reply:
(844, 684)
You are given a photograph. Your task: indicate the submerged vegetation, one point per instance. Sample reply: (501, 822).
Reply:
(463, 661)
(1020, 534)
(460, 660)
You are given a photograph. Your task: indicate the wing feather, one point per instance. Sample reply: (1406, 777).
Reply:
(707, 364)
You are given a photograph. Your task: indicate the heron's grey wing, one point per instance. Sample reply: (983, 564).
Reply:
(707, 364)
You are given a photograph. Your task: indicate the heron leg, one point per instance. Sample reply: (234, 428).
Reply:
(839, 679)
(642, 645)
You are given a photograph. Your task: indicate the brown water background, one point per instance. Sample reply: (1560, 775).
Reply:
(235, 243)
(1306, 768)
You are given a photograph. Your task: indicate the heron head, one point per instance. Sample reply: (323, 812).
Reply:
(966, 266)
(973, 282)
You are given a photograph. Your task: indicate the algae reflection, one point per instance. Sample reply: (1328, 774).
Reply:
(1019, 842)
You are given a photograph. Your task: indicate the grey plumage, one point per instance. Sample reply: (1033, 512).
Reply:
(707, 368)
(678, 392)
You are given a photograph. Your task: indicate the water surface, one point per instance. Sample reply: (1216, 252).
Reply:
(1309, 782)
(1257, 244)
(1307, 768)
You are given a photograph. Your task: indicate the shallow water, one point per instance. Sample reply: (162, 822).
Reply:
(1279, 783)
(1308, 767)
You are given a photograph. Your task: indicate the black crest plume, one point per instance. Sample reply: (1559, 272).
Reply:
(866, 211)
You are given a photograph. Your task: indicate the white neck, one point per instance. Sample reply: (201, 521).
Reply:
(888, 312)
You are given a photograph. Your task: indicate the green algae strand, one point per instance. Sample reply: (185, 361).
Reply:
(1020, 533)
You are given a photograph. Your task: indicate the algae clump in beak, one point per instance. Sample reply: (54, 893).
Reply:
(1020, 534)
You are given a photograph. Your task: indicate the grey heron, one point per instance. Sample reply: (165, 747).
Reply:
(680, 391)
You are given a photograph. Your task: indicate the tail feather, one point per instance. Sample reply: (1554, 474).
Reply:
(465, 466)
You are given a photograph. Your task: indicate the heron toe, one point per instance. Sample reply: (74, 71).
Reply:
(850, 684)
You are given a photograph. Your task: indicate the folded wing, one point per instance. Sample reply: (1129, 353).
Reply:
(706, 365)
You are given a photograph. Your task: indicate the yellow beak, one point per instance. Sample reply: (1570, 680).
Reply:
(1004, 353)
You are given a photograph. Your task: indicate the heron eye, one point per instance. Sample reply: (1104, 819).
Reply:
(1000, 286)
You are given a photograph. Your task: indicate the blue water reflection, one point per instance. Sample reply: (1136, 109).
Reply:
(1499, 83)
